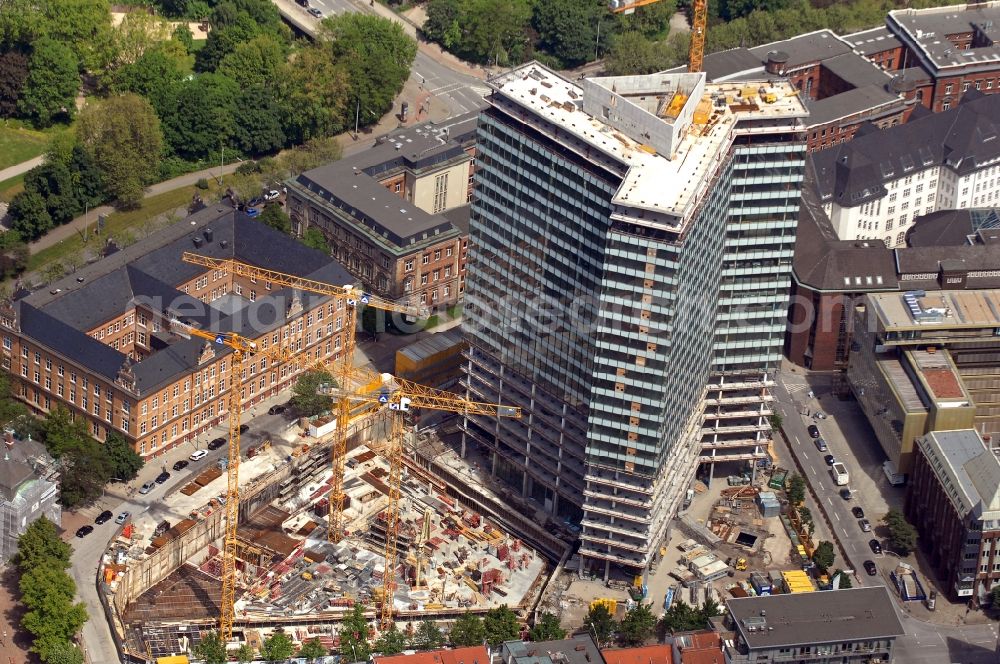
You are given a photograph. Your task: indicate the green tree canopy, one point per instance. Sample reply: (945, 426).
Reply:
(45, 582)
(390, 642)
(13, 75)
(256, 63)
(312, 650)
(501, 624)
(259, 126)
(354, 644)
(314, 239)
(236, 22)
(467, 631)
(824, 555)
(211, 649)
(155, 75)
(202, 116)
(547, 628)
(29, 216)
(277, 648)
(276, 218)
(49, 92)
(902, 535)
(796, 489)
(84, 26)
(64, 653)
(125, 462)
(304, 393)
(40, 545)
(123, 135)
(637, 625)
(600, 623)
(315, 90)
(568, 28)
(428, 636)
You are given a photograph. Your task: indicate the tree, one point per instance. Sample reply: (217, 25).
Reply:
(681, 617)
(63, 433)
(202, 115)
(377, 55)
(49, 92)
(995, 597)
(845, 580)
(637, 625)
(902, 535)
(304, 393)
(567, 29)
(824, 556)
(600, 623)
(245, 653)
(806, 517)
(236, 22)
(312, 650)
(53, 625)
(212, 649)
(29, 216)
(155, 75)
(428, 636)
(547, 629)
(501, 624)
(315, 91)
(123, 135)
(276, 218)
(316, 152)
(40, 545)
(13, 257)
(84, 26)
(467, 631)
(391, 642)
(85, 471)
(256, 63)
(796, 489)
(259, 127)
(137, 33)
(64, 653)
(314, 239)
(13, 74)
(277, 648)
(354, 644)
(45, 582)
(125, 463)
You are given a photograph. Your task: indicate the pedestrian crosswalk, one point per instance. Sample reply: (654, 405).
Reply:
(481, 90)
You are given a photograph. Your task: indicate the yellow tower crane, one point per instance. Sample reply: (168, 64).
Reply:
(351, 297)
(699, 23)
(399, 396)
(243, 349)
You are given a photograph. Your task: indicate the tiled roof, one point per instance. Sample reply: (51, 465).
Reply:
(473, 655)
(643, 655)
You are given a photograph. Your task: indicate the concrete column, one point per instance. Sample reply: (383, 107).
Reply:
(525, 483)
(711, 470)
(493, 464)
(607, 570)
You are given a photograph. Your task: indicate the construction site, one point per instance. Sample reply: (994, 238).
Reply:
(163, 572)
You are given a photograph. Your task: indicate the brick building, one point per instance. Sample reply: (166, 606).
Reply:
(953, 500)
(101, 344)
(841, 87)
(397, 215)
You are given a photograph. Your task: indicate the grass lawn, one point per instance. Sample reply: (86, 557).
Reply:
(11, 188)
(453, 312)
(19, 143)
(134, 221)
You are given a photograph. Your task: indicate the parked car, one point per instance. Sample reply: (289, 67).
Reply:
(122, 518)
(874, 545)
(217, 443)
(858, 512)
(846, 493)
(315, 12)
(181, 465)
(252, 212)
(820, 415)
(162, 477)
(271, 195)
(103, 517)
(198, 455)
(304, 3)
(244, 428)
(866, 526)
(813, 431)
(829, 460)
(276, 410)
(870, 568)
(147, 487)
(83, 531)
(821, 445)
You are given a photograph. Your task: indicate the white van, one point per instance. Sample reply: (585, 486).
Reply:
(839, 472)
(198, 455)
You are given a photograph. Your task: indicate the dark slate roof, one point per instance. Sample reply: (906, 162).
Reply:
(856, 70)
(13, 473)
(807, 48)
(855, 172)
(459, 217)
(918, 260)
(147, 272)
(834, 616)
(941, 228)
(871, 41)
(723, 64)
(848, 103)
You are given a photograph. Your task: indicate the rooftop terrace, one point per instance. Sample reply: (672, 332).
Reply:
(940, 309)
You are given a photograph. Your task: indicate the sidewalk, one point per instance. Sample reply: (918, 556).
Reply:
(23, 167)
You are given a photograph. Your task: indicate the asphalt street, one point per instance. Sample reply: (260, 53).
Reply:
(850, 441)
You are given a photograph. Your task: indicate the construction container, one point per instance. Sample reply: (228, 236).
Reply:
(761, 584)
(768, 504)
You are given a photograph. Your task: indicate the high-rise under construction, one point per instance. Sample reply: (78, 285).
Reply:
(630, 253)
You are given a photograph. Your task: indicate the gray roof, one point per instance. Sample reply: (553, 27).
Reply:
(971, 470)
(577, 649)
(805, 49)
(855, 172)
(833, 616)
(917, 260)
(723, 64)
(871, 41)
(851, 103)
(350, 184)
(20, 462)
(856, 70)
(928, 29)
(459, 217)
(953, 227)
(147, 271)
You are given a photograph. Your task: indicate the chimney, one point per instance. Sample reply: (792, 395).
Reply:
(208, 234)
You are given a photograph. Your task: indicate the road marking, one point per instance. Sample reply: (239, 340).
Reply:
(813, 468)
(805, 456)
(481, 90)
(837, 516)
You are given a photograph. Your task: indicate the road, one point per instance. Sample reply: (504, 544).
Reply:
(849, 439)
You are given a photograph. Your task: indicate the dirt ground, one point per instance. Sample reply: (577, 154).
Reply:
(14, 642)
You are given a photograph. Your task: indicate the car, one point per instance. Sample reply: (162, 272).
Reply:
(315, 12)
(244, 428)
(272, 195)
(304, 3)
(874, 545)
(819, 415)
(255, 202)
(866, 525)
(858, 512)
(198, 455)
(829, 460)
(83, 531)
(217, 443)
(181, 465)
(103, 517)
(813, 431)
(252, 212)
(276, 410)
(147, 487)
(162, 477)
(122, 518)
(846, 494)
(870, 567)
(821, 445)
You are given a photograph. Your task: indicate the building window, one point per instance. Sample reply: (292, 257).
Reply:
(437, 275)
(423, 280)
(946, 105)
(440, 193)
(437, 255)
(408, 265)
(989, 84)
(947, 89)
(7, 343)
(979, 84)
(426, 259)
(253, 296)
(398, 187)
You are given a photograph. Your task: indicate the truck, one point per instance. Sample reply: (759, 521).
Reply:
(895, 479)
(839, 472)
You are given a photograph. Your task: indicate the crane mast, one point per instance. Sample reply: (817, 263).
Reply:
(699, 23)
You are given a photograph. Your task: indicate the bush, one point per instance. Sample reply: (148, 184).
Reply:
(202, 183)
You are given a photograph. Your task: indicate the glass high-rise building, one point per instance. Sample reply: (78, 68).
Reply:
(628, 277)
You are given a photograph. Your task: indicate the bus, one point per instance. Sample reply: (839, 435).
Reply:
(839, 472)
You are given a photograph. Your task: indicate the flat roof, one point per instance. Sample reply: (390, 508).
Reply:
(928, 29)
(967, 471)
(832, 616)
(938, 373)
(874, 40)
(806, 49)
(938, 309)
(665, 185)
